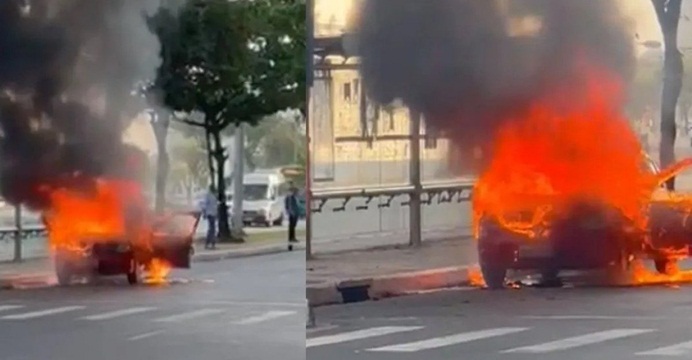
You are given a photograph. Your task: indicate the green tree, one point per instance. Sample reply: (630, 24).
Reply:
(189, 164)
(235, 62)
(276, 141)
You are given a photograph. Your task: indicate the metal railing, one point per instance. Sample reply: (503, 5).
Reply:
(26, 232)
(446, 191)
(426, 193)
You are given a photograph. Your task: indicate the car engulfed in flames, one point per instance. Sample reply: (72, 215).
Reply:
(568, 187)
(108, 231)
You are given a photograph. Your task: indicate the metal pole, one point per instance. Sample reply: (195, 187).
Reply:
(238, 162)
(18, 233)
(310, 14)
(414, 174)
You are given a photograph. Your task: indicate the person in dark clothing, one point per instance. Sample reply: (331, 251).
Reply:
(293, 210)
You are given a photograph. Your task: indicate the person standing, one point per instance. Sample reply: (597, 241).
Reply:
(292, 207)
(210, 208)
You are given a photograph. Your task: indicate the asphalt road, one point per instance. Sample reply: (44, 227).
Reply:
(251, 308)
(529, 323)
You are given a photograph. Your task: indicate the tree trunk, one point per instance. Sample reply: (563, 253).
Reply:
(238, 196)
(668, 13)
(160, 123)
(220, 157)
(210, 157)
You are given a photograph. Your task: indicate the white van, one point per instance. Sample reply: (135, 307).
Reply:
(263, 201)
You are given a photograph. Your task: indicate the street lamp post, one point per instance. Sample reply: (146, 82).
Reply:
(310, 21)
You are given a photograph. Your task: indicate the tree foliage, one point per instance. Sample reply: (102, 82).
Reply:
(276, 141)
(235, 62)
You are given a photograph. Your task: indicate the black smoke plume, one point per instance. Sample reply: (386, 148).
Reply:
(466, 65)
(67, 71)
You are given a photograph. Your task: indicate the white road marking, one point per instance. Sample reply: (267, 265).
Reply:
(591, 317)
(36, 314)
(576, 341)
(10, 307)
(118, 313)
(681, 349)
(448, 340)
(145, 335)
(190, 315)
(357, 335)
(269, 315)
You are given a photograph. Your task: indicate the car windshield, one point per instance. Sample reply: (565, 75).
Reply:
(253, 192)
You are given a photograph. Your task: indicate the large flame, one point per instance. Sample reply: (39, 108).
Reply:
(573, 144)
(113, 211)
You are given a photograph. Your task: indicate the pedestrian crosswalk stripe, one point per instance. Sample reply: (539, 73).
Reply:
(269, 315)
(190, 315)
(448, 340)
(680, 349)
(36, 314)
(10, 307)
(358, 335)
(117, 313)
(577, 341)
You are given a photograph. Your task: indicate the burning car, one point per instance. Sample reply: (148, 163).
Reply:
(587, 234)
(170, 245)
(108, 230)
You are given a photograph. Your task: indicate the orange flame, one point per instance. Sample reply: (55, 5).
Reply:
(102, 215)
(571, 145)
(157, 271)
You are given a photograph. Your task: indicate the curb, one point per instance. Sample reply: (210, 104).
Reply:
(28, 281)
(374, 288)
(240, 253)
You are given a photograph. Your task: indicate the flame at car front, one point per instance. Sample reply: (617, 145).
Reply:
(575, 146)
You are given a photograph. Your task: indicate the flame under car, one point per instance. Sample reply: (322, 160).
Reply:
(171, 241)
(588, 235)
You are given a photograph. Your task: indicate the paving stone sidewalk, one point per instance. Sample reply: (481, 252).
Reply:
(389, 271)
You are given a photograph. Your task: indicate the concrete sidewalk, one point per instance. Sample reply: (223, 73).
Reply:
(388, 271)
(39, 271)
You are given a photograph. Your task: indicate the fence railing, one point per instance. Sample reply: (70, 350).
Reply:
(445, 191)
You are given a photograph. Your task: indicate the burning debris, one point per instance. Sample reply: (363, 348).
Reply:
(67, 70)
(539, 87)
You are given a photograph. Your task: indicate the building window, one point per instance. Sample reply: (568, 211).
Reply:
(356, 87)
(347, 92)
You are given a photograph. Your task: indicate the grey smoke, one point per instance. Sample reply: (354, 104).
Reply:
(67, 68)
(455, 61)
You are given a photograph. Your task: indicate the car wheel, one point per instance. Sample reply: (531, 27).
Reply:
(550, 277)
(666, 266)
(63, 271)
(494, 276)
(133, 273)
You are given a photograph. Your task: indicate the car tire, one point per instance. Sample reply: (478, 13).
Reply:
(279, 221)
(63, 271)
(550, 277)
(666, 266)
(133, 273)
(494, 276)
